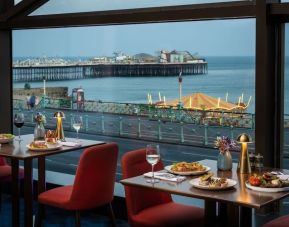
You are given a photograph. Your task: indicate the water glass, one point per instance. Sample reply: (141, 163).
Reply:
(152, 157)
(77, 124)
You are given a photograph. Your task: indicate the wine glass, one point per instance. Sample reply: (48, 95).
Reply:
(152, 157)
(77, 124)
(18, 122)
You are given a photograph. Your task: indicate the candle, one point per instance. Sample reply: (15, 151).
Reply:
(227, 94)
(164, 100)
(160, 97)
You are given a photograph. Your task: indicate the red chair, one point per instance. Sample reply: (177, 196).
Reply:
(6, 174)
(278, 222)
(146, 207)
(93, 185)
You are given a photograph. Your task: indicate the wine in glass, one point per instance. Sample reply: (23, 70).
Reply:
(152, 157)
(18, 122)
(77, 124)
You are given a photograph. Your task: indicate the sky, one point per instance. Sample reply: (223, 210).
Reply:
(205, 38)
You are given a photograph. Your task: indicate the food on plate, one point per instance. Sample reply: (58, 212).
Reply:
(38, 145)
(50, 136)
(268, 180)
(6, 136)
(188, 167)
(255, 180)
(214, 182)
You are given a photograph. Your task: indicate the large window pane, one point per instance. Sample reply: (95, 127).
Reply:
(286, 100)
(71, 6)
(129, 75)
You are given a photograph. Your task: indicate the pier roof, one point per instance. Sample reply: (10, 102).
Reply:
(201, 101)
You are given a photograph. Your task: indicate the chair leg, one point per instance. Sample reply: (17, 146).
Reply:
(77, 218)
(0, 197)
(111, 215)
(40, 215)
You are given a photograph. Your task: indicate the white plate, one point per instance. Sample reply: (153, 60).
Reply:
(44, 149)
(7, 140)
(168, 168)
(195, 183)
(259, 189)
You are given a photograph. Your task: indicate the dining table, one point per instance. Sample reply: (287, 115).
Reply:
(227, 207)
(17, 151)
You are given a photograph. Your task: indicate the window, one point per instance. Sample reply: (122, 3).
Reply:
(128, 68)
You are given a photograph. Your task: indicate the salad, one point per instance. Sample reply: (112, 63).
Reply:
(268, 180)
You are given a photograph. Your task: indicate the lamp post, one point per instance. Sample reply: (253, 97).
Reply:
(59, 128)
(44, 92)
(244, 163)
(180, 105)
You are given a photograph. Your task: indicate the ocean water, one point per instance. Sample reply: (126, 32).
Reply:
(232, 75)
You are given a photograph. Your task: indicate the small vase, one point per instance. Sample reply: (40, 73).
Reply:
(39, 132)
(224, 162)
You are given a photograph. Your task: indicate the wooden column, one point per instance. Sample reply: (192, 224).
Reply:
(268, 103)
(6, 73)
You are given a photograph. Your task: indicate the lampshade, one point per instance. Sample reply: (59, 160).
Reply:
(244, 138)
(59, 114)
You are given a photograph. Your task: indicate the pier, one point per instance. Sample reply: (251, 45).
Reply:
(84, 71)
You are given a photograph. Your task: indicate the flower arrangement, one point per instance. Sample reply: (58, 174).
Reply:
(40, 118)
(224, 143)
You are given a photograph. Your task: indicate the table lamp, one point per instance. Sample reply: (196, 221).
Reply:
(244, 163)
(59, 133)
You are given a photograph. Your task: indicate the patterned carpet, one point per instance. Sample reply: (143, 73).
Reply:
(56, 217)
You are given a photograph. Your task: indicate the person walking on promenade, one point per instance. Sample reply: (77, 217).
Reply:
(32, 101)
(28, 101)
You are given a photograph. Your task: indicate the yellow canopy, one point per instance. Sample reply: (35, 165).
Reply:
(201, 101)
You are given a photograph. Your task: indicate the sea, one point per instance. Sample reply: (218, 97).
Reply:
(233, 77)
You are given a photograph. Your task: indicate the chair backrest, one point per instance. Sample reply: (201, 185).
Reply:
(3, 161)
(134, 164)
(95, 177)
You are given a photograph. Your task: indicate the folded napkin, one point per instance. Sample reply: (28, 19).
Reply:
(70, 144)
(165, 176)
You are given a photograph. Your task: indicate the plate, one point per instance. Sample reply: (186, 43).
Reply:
(195, 183)
(187, 173)
(259, 189)
(7, 140)
(44, 149)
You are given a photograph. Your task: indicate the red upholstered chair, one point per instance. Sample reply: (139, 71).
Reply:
(278, 222)
(6, 174)
(149, 208)
(93, 185)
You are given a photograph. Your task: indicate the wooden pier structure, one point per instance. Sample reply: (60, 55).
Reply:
(72, 72)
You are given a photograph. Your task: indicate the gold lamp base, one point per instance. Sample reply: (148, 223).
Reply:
(59, 133)
(244, 166)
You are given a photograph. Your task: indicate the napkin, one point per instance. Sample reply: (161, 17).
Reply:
(165, 176)
(70, 144)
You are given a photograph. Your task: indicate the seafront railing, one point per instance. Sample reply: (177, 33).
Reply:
(145, 122)
(211, 118)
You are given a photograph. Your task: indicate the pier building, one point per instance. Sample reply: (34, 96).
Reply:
(84, 71)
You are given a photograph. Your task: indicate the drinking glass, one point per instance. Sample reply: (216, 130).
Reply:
(152, 157)
(77, 124)
(18, 122)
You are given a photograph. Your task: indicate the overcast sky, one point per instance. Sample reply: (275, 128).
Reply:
(210, 38)
(207, 38)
